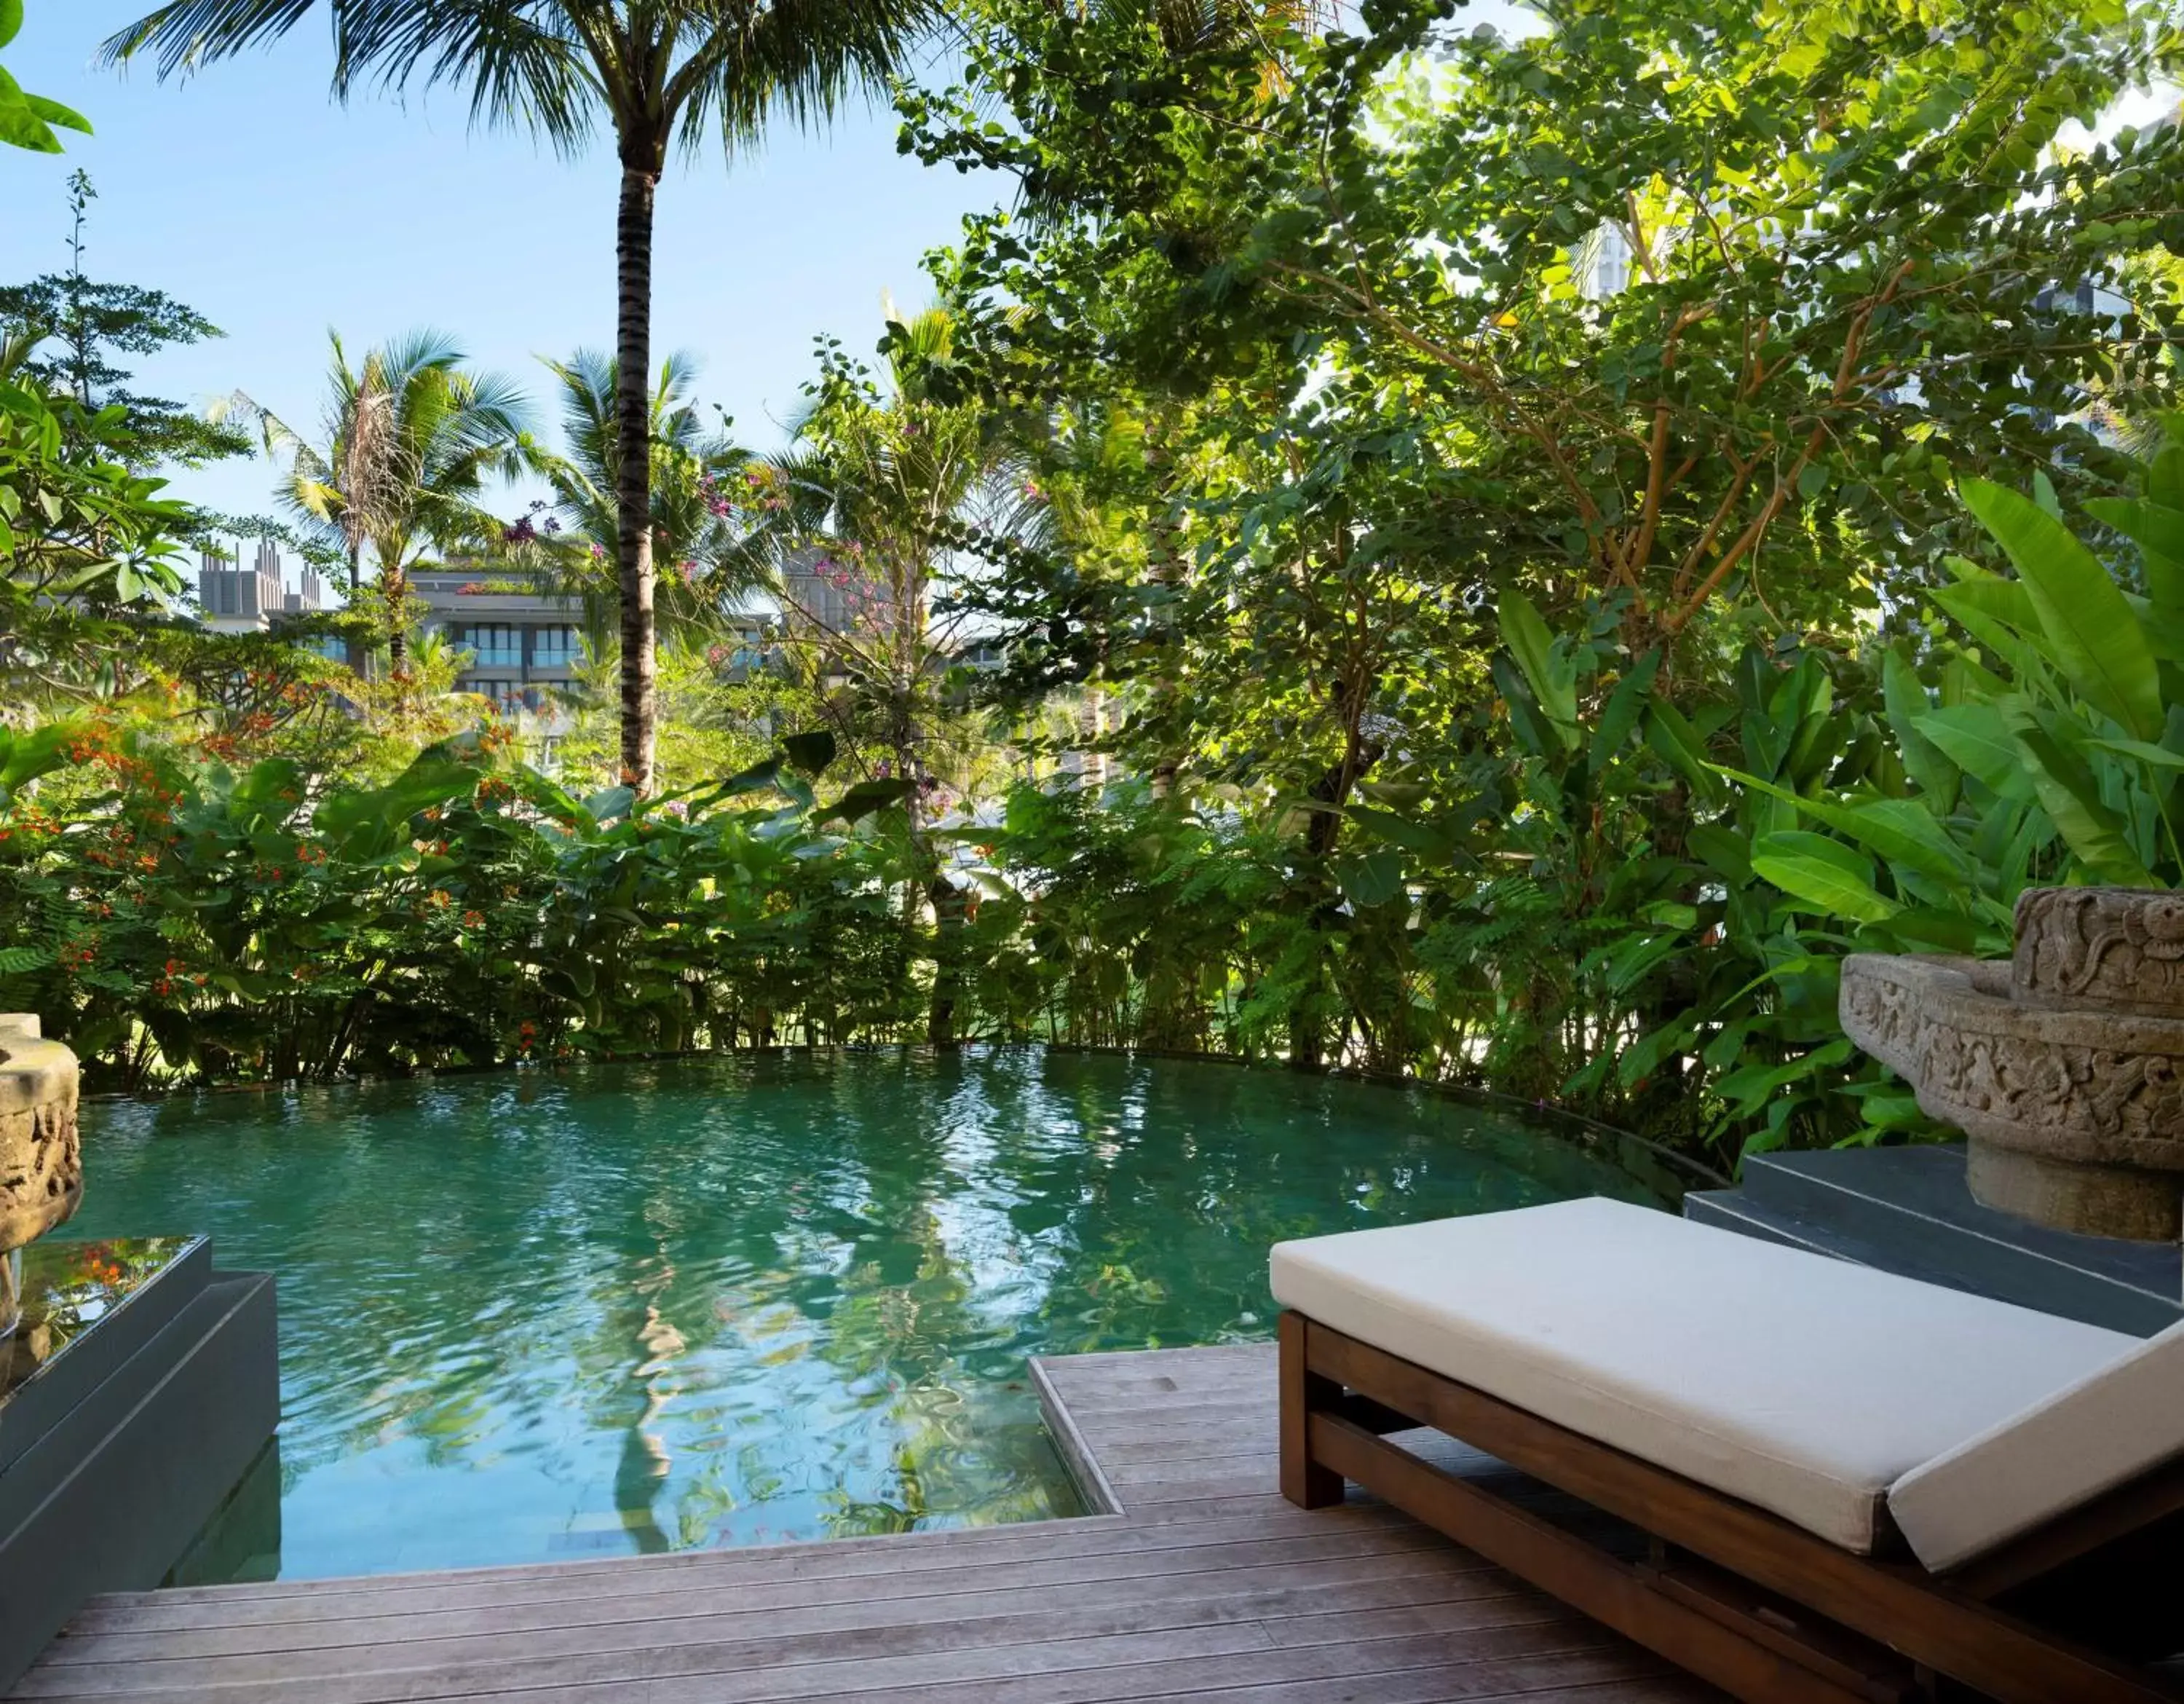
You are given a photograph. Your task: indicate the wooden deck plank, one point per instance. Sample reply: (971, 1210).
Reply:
(1409, 1576)
(1206, 1588)
(437, 1668)
(1369, 1555)
(757, 1566)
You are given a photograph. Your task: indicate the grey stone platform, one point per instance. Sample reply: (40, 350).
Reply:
(1909, 1211)
(117, 1448)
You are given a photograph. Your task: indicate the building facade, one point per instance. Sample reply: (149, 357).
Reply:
(239, 599)
(523, 646)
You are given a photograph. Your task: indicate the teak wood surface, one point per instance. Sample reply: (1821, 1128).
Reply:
(1199, 1586)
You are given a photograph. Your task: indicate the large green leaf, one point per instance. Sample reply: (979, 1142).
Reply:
(1620, 714)
(382, 813)
(610, 802)
(811, 752)
(1899, 830)
(1825, 875)
(35, 752)
(2160, 756)
(1999, 614)
(1373, 878)
(1552, 680)
(1427, 840)
(1978, 740)
(2070, 795)
(2151, 526)
(2090, 629)
(1536, 731)
(1905, 699)
(1682, 747)
(2164, 476)
(866, 797)
(2157, 526)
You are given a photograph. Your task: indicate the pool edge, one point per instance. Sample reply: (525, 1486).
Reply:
(1077, 1455)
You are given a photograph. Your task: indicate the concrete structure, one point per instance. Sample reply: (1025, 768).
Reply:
(130, 1408)
(1909, 1211)
(41, 1155)
(239, 599)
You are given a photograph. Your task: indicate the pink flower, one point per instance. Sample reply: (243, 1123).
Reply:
(598, 553)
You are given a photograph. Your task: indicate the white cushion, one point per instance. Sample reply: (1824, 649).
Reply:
(2064, 1450)
(1805, 1385)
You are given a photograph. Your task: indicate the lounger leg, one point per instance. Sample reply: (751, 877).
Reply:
(1304, 1482)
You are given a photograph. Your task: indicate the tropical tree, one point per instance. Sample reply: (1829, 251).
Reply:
(89, 549)
(83, 335)
(696, 469)
(909, 470)
(411, 438)
(658, 72)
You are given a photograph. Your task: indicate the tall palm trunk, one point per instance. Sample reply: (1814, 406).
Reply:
(396, 582)
(640, 179)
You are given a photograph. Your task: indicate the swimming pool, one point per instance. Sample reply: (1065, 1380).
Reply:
(537, 1316)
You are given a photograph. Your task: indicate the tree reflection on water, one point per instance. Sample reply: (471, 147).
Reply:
(656, 1306)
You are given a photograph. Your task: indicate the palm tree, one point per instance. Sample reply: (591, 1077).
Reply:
(410, 440)
(659, 72)
(695, 469)
(905, 468)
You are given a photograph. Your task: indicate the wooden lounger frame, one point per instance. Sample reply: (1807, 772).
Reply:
(1761, 1608)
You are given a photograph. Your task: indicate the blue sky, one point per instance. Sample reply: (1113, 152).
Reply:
(247, 193)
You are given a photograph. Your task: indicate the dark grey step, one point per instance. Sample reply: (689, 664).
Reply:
(1734, 1209)
(1909, 1211)
(109, 1496)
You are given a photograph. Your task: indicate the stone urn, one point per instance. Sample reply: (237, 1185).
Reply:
(2064, 1068)
(40, 1161)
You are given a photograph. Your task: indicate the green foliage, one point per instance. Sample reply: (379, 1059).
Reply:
(184, 918)
(27, 120)
(88, 548)
(1562, 537)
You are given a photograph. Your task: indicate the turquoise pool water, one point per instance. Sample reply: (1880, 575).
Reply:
(539, 1316)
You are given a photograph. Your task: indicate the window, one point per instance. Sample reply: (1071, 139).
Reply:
(506, 697)
(497, 643)
(553, 647)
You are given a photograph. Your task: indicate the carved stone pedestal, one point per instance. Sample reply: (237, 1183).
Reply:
(2064, 1069)
(40, 1161)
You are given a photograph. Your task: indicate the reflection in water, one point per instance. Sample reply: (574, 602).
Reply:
(656, 1306)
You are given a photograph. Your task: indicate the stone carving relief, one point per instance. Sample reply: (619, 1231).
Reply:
(41, 1154)
(2067, 1075)
(2117, 948)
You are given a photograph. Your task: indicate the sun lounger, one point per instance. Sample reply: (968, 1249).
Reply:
(1825, 1482)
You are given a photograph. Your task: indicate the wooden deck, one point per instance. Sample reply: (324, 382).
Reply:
(1202, 1586)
